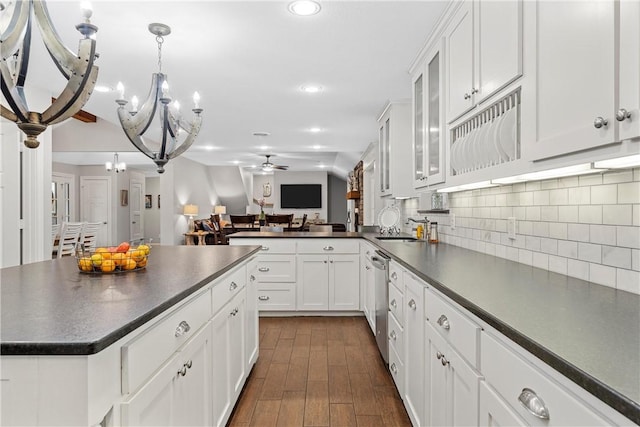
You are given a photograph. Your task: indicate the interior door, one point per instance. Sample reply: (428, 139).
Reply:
(96, 205)
(136, 196)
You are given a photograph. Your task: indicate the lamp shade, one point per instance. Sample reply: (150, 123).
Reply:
(220, 210)
(191, 210)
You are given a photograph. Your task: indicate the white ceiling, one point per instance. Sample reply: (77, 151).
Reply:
(248, 61)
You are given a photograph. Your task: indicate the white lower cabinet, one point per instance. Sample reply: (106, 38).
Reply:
(252, 335)
(328, 282)
(367, 287)
(414, 387)
(452, 390)
(494, 411)
(178, 394)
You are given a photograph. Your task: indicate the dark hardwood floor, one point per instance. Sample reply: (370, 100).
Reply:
(318, 371)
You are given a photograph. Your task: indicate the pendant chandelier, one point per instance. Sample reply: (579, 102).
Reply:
(78, 69)
(136, 122)
(116, 165)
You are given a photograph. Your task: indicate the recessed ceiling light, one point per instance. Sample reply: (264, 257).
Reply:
(264, 147)
(315, 130)
(304, 7)
(316, 147)
(103, 89)
(311, 88)
(209, 147)
(236, 162)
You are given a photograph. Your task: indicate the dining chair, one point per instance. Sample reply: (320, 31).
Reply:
(69, 235)
(55, 229)
(242, 221)
(219, 238)
(280, 220)
(89, 235)
(302, 223)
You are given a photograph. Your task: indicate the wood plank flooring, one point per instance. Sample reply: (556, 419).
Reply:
(318, 371)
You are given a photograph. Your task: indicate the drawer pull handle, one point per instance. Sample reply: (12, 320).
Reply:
(252, 278)
(263, 269)
(263, 298)
(182, 371)
(394, 275)
(366, 267)
(393, 368)
(189, 364)
(234, 311)
(393, 303)
(533, 403)
(327, 248)
(412, 304)
(183, 328)
(264, 248)
(233, 286)
(444, 322)
(393, 335)
(442, 359)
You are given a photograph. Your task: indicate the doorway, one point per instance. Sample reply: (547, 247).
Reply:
(96, 205)
(136, 202)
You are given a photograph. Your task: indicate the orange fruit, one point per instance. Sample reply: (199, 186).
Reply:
(108, 265)
(142, 262)
(137, 254)
(129, 264)
(118, 258)
(104, 252)
(144, 248)
(85, 264)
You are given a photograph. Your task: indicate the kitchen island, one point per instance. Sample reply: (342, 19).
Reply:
(588, 333)
(77, 347)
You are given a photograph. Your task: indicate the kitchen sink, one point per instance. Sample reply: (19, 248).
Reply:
(397, 239)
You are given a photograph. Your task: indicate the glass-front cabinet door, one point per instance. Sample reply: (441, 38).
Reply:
(385, 182)
(428, 122)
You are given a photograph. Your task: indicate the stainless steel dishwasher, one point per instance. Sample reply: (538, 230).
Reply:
(381, 262)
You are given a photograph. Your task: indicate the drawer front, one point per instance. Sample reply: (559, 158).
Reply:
(396, 304)
(509, 374)
(269, 246)
(396, 367)
(396, 336)
(227, 287)
(453, 325)
(395, 274)
(276, 297)
(328, 246)
(276, 268)
(144, 354)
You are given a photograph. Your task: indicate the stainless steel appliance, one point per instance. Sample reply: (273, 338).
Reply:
(381, 262)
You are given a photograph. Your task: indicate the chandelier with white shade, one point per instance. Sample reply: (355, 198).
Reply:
(136, 122)
(77, 68)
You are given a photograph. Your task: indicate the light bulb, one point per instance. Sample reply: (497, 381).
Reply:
(196, 100)
(176, 105)
(120, 88)
(108, 166)
(134, 104)
(87, 10)
(165, 88)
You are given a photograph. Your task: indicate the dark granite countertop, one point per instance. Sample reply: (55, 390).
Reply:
(52, 308)
(587, 332)
(296, 234)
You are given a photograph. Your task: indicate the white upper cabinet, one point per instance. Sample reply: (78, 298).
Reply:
(394, 127)
(575, 91)
(484, 52)
(628, 112)
(428, 121)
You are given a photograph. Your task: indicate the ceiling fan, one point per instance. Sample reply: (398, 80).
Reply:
(270, 167)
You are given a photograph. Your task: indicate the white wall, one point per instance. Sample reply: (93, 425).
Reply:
(74, 135)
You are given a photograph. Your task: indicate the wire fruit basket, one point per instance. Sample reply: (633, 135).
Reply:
(113, 259)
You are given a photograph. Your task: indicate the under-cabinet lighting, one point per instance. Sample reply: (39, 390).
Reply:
(582, 169)
(472, 186)
(619, 162)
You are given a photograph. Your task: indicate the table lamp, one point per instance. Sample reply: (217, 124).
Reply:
(190, 211)
(220, 210)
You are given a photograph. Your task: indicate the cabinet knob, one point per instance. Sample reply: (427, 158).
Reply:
(474, 90)
(233, 286)
(393, 303)
(182, 371)
(467, 96)
(366, 267)
(444, 322)
(327, 248)
(234, 311)
(439, 355)
(263, 298)
(189, 364)
(393, 335)
(599, 122)
(534, 404)
(263, 269)
(394, 275)
(264, 248)
(622, 115)
(393, 368)
(412, 304)
(183, 328)
(444, 361)
(252, 278)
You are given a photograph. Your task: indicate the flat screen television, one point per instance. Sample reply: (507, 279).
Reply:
(300, 196)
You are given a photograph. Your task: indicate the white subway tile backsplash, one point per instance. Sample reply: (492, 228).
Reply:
(579, 269)
(628, 237)
(590, 252)
(589, 180)
(558, 230)
(629, 192)
(519, 187)
(580, 196)
(526, 198)
(501, 251)
(604, 194)
(636, 215)
(568, 213)
(559, 196)
(557, 264)
(578, 232)
(602, 234)
(513, 199)
(617, 214)
(636, 174)
(524, 227)
(532, 243)
(635, 259)
(567, 249)
(549, 246)
(512, 254)
(520, 213)
(590, 214)
(617, 177)
(532, 185)
(628, 280)
(525, 257)
(549, 213)
(549, 184)
(541, 198)
(532, 213)
(602, 275)
(541, 260)
(568, 182)
(616, 257)
(541, 229)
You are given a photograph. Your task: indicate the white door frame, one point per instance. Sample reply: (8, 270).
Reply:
(110, 206)
(136, 178)
(66, 178)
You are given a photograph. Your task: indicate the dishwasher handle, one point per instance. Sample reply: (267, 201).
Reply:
(379, 263)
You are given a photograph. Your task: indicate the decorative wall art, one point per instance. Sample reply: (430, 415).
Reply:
(124, 197)
(148, 201)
